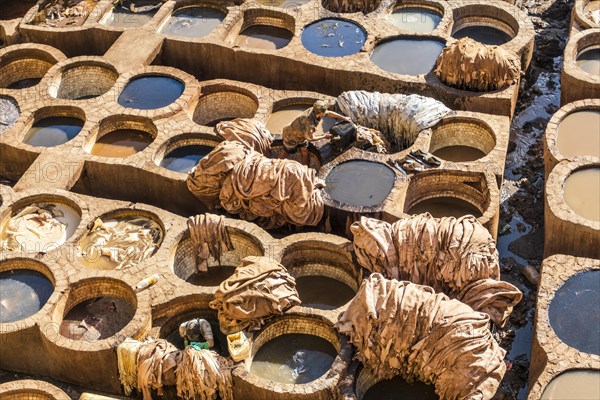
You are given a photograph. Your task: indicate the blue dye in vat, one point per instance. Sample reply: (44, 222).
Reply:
(22, 293)
(333, 37)
(53, 131)
(184, 158)
(150, 92)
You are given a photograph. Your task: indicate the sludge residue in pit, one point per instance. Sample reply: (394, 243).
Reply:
(483, 34)
(574, 314)
(360, 183)
(213, 277)
(459, 153)
(293, 358)
(333, 38)
(589, 61)
(407, 56)
(440, 207)
(398, 389)
(53, 131)
(415, 19)
(121, 143)
(122, 17)
(582, 193)
(285, 115)
(150, 92)
(264, 37)
(578, 134)
(322, 292)
(194, 21)
(97, 318)
(574, 384)
(23, 292)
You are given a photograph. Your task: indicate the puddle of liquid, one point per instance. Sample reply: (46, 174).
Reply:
(287, 4)
(582, 193)
(459, 153)
(29, 232)
(104, 317)
(284, 116)
(24, 83)
(415, 19)
(293, 358)
(194, 21)
(122, 17)
(398, 389)
(574, 313)
(579, 135)
(53, 131)
(22, 293)
(9, 112)
(150, 92)
(483, 34)
(322, 292)
(440, 207)
(213, 277)
(184, 158)
(360, 183)
(574, 385)
(407, 56)
(333, 38)
(589, 61)
(264, 37)
(121, 143)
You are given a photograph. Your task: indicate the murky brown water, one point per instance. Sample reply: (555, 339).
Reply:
(264, 37)
(360, 183)
(445, 207)
(322, 292)
(193, 21)
(589, 61)
(576, 385)
(415, 19)
(582, 193)
(104, 316)
(407, 56)
(459, 153)
(23, 292)
(121, 143)
(398, 389)
(578, 134)
(285, 115)
(293, 358)
(213, 277)
(483, 34)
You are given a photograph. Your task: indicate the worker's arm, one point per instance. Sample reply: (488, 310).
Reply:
(333, 114)
(206, 331)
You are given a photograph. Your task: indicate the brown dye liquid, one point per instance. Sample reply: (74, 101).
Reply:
(104, 316)
(213, 277)
(398, 389)
(283, 117)
(576, 385)
(589, 61)
(288, 4)
(293, 358)
(582, 193)
(459, 153)
(121, 143)
(322, 292)
(579, 134)
(264, 37)
(445, 207)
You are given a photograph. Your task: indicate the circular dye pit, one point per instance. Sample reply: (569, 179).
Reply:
(333, 37)
(122, 17)
(440, 207)
(39, 228)
(578, 134)
(574, 314)
(293, 358)
(415, 19)
(183, 159)
(285, 115)
(120, 242)
(264, 37)
(483, 34)
(121, 143)
(592, 12)
(210, 110)
(194, 21)
(97, 318)
(407, 56)
(398, 389)
(322, 292)
(582, 193)
(24, 83)
(360, 183)
(213, 277)
(23, 292)
(589, 61)
(574, 384)
(151, 92)
(459, 153)
(53, 131)
(9, 112)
